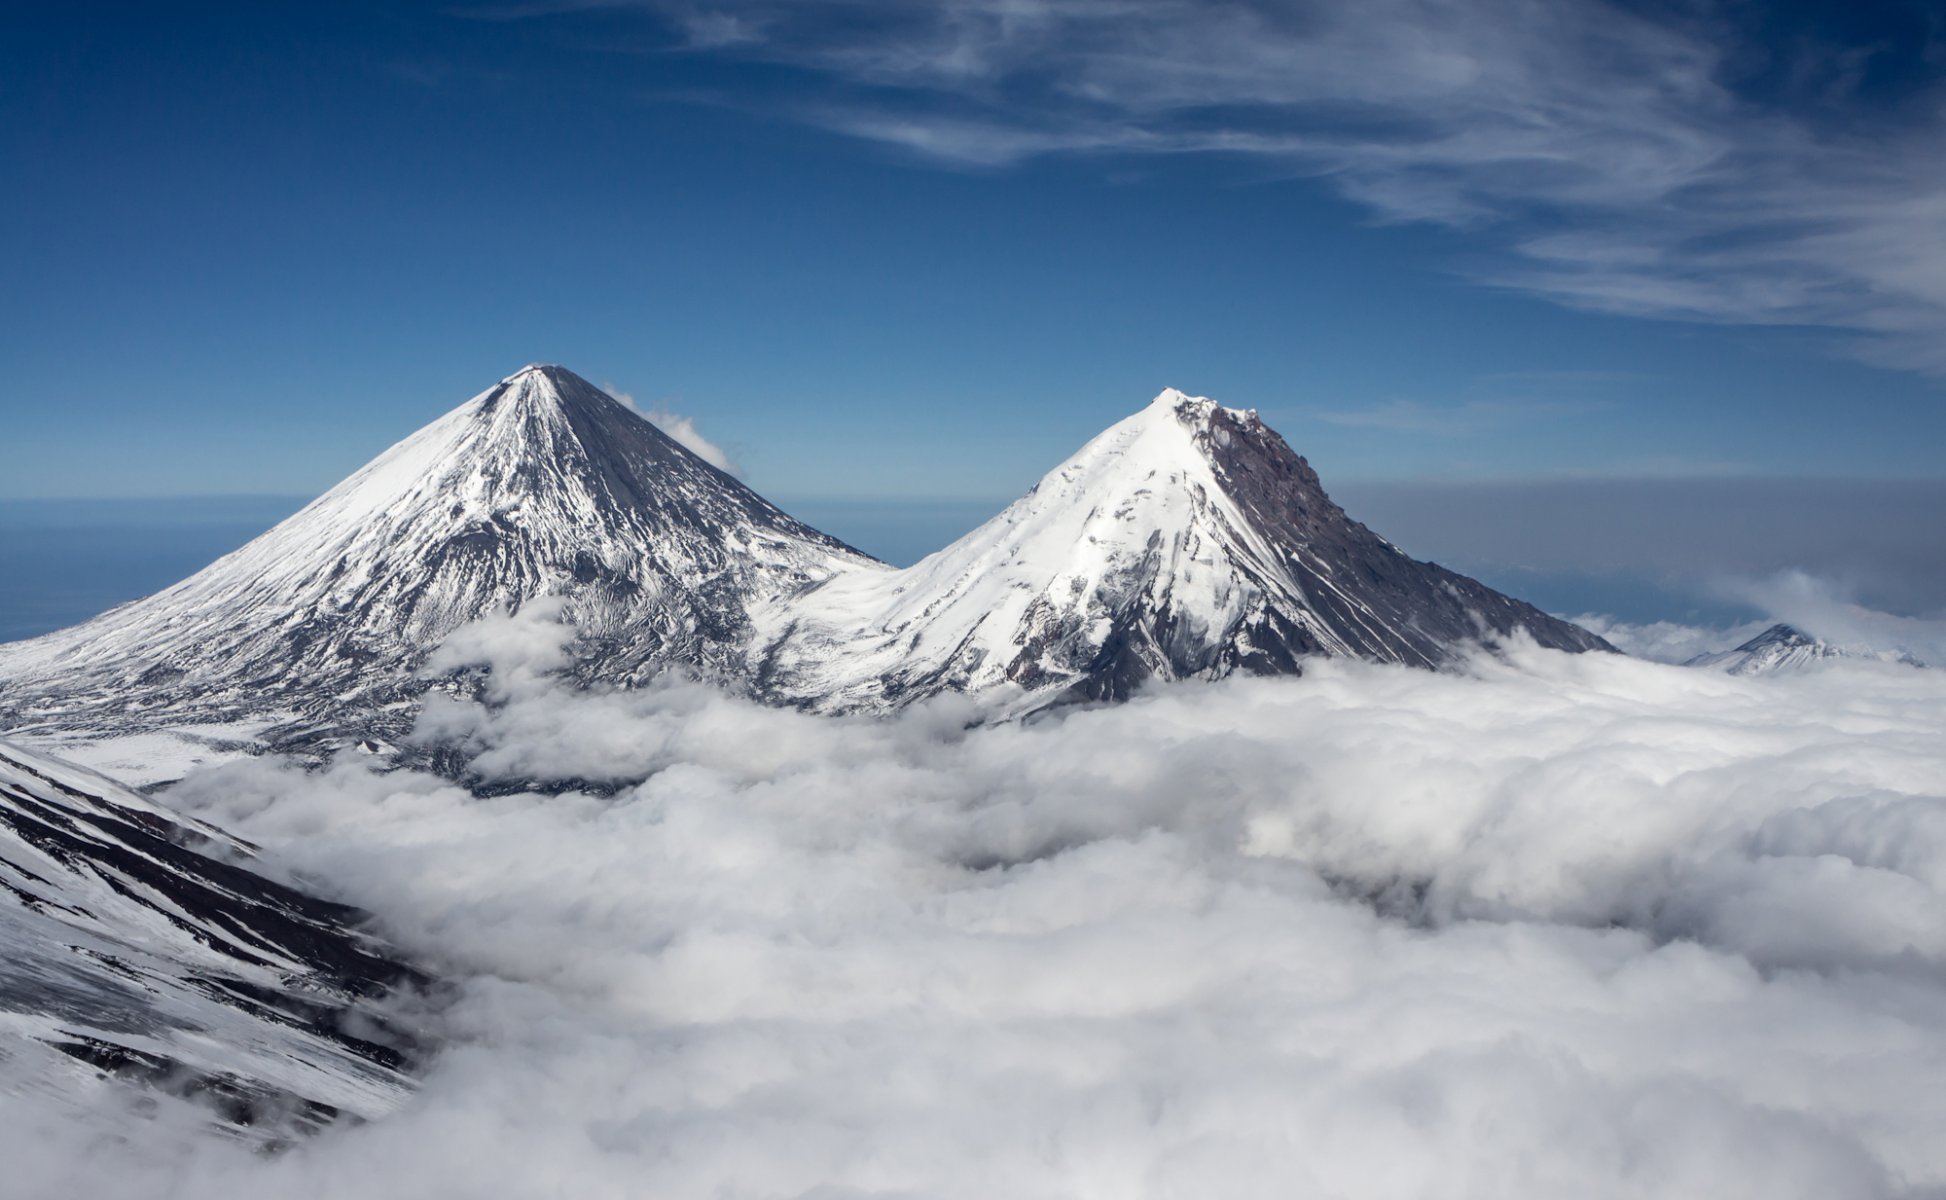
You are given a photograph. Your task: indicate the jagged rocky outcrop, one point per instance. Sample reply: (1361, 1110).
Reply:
(138, 945)
(541, 485)
(1785, 648)
(1186, 542)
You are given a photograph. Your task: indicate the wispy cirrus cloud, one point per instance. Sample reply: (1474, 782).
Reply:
(1450, 420)
(1687, 162)
(1491, 402)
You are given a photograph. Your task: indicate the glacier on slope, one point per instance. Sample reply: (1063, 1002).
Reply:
(1187, 541)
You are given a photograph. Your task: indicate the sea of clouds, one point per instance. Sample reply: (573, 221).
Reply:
(1546, 925)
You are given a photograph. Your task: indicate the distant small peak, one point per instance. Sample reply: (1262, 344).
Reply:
(1780, 634)
(544, 370)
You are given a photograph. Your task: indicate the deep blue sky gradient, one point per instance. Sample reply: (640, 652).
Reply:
(250, 245)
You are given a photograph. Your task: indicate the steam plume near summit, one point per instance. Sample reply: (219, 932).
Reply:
(1547, 924)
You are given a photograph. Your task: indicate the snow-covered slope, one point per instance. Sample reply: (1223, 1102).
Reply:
(1785, 648)
(542, 484)
(1187, 541)
(133, 946)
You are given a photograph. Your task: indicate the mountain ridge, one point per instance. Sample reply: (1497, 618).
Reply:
(1187, 541)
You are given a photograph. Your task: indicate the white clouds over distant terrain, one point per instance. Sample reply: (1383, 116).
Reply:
(1550, 926)
(1812, 605)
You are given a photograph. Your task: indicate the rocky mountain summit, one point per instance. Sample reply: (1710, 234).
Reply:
(1187, 541)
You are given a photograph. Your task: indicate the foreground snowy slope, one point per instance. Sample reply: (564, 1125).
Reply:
(127, 951)
(1187, 541)
(542, 484)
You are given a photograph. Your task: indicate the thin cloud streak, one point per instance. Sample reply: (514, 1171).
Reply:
(1609, 157)
(1452, 420)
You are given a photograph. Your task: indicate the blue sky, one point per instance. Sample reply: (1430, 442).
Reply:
(892, 250)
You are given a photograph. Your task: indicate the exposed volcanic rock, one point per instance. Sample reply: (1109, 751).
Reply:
(139, 944)
(1186, 542)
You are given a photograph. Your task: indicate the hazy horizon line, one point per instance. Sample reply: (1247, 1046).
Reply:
(1568, 479)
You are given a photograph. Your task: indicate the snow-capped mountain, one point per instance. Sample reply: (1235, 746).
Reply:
(1187, 541)
(134, 946)
(542, 484)
(1784, 648)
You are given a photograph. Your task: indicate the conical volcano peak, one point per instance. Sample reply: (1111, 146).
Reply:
(1185, 541)
(546, 386)
(551, 378)
(542, 485)
(542, 379)
(547, 418)
(543, 369)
